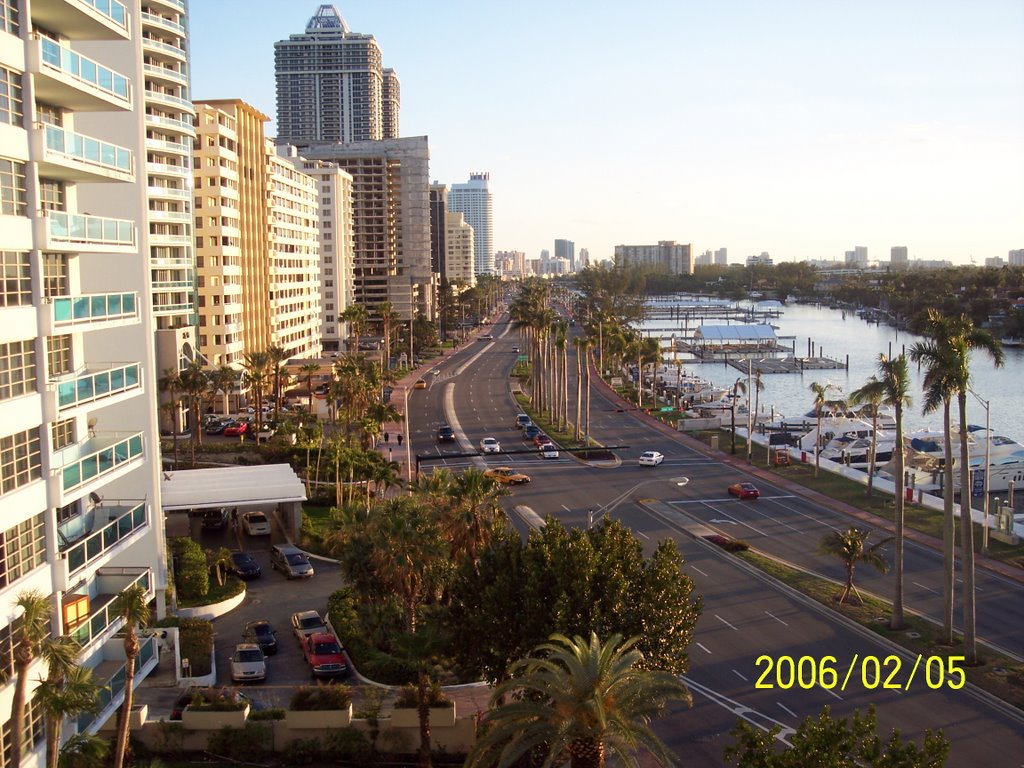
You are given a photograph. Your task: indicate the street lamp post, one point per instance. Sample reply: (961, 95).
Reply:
(988, 471)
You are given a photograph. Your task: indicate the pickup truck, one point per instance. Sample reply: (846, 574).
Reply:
(324, 654)
(306, 623)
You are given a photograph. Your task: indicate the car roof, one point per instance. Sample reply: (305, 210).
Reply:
(306, 614)
(247, 647)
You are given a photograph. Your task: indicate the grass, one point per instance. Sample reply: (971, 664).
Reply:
(232, 586)
(317, 524)
(998, 675)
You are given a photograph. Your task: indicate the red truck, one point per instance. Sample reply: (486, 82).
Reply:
(325, 655)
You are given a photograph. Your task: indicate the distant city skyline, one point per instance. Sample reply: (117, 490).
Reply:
(793, 128)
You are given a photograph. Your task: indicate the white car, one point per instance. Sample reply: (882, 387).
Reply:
(256, 524)
(548, 451)
(651, 459)
(248, 664)
(490, 445)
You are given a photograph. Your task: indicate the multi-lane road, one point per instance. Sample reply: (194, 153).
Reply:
(746, 616)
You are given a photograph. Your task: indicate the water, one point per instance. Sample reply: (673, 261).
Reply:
(837, 337)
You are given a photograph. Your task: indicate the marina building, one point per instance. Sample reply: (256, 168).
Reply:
(672, 257)
(79, 493)
(474, 201)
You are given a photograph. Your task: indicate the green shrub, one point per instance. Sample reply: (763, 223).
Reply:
(195, 639)
(191, 576)
(736, 545)
(274, 713)
(309, 698)
(248, 743)
(408, 697)
(350, 743)
(302, 751)
(216, 700)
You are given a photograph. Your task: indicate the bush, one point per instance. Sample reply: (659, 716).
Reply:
(248, 743)
(408, 697)
(195, 639)
(217, 700)
(350, 743)
(191, 576)
(302, 751)
(309, 698)
(274, 713)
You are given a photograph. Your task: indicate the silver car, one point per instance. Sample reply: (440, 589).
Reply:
(490, 445)
(248, 664)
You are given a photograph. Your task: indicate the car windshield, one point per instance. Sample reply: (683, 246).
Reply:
(325, 649)
(261, 630)
(297, 559)
(249, 654)
(257, 519)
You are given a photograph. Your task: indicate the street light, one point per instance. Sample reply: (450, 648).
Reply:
(988, 471)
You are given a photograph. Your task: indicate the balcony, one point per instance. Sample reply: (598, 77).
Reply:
(69, 79)
(185, 126)
(72, 156)
(86, 538)
(112, 677)
(97, 385)
(152, 20)
(168, 193)
(88, 612)
(97, 458)
(176, 147)
(152, 45)
(92, 311)
(82, 19)
(84, 233)
(170, 99)
(167, 74)
(168, 169)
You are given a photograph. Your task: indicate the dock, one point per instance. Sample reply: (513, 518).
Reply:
(769, 365)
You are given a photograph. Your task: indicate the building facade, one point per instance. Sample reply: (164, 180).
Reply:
(1015, 258)
(721, 257)
(511, 264)
(566, 249)
(858, 257)
(473, 200)
(459, 258)
(332, 86)
(79, 491)
(898, 257)
(668, 255)
(438, 229)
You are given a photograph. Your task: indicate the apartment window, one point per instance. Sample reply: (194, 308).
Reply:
(12, 188)
(33, 732)
(20, 461)
(51, 195)
(17, 368)
(9, 21)
(58, 355)
(63, 433)
(11, 108)
(15, 279)
(22, 549)
(55, 274)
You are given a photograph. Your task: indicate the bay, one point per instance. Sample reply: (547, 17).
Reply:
(837, 334)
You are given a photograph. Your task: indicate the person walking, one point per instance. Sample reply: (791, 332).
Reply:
(387, 437)
(400, 438)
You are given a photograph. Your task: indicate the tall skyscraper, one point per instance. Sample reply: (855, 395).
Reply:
(332, 86)
(473, 200)
(459, 259)
(566, 249)
(80, 515)
(438, 229)
(721, 257)
(898, 256)
(584, 260)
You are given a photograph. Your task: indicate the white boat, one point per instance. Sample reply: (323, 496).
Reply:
(925, 458)
(852, 447)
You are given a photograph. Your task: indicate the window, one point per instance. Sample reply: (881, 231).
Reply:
(17, 368)
(58, 355)
(51, 195)
(63, 433)
(11, 109)
(55, 274)
(16, 277)
(20, 461)
(12, 188)
(33, 732)
(9, 21)
(22, 549)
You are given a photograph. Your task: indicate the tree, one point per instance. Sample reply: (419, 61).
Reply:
(219, 561)
(193, 383)
(580, 700)
(388, 320)
(308, 370)
(132, 605)
(257, 370)
(84, 750)
(850, 546)
(222, 381)
(472, 514)
(170, 385)
(276, 355)
(29, 633)
(355, 315)
(873, 393)
(820, 398)
(829, 743)
(739, 387)
(68, 690)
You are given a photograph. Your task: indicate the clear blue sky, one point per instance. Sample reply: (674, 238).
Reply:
(798, 128)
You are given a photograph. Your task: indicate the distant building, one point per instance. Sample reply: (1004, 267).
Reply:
(1016, 258)
(995, 261)
(705, 259)
(898, 256)
(438, 228)
(721, 257)
(858, 257)
(583, 260)
(511, 264)
(473, 200)
(763, 259)
(566, 249)
(675, 258)
(459, 250)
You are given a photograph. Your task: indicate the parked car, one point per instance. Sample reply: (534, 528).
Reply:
(507, 476)
(214, 519)
(248, 663)
(262, 633)
(548, 451)
(291, 561)
(306, 623)
(651, 459)
(244, 566)
(744, 490)
(217, 426)
(445, 434)
(490, 445)
(236, 428)
(522, 420)
(324, 654)
(256, 524)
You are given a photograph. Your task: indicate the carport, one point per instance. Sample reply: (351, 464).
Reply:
(267, 487)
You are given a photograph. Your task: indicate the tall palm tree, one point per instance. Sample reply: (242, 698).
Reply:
(850, 546)
(872, 392)
(581, 701)
(193, 382)
(170, 385)
(389, 318)
(308, 370)
(29, 634)
(67, 691)
(132, 606)
(355, 315)
(739, 387)
(257, 370)
(580, 343)
(277, 355)
(473, 514)
(222, 381)
(820, 398)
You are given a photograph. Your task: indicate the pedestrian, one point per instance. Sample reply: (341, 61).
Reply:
(387, 437)
(234, 518)
(400, 439)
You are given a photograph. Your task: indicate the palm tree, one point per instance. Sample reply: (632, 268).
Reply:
(873, 392)
(355, 316)
(170, 385)
(580, 343)
(257, 370)
(473, 514)
(67, 691)
(219, 562)
(132, 605)
(276, 355)
(580, 701)
(29, 634)
(307, 370)
(850, 547)
(820, 398)
(388, 320)
(84, 750)
(222, 381)
(193, 382)
(739, 387)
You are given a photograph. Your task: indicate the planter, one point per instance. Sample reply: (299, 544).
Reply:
(213, 610)
(205, 720)
(440, 717)
(319, 718)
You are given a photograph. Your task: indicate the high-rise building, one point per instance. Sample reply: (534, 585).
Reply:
(459, 259)
(1016, 258)
(675, 258)
(705, 259)
(256, 240)
(721, 257)
(331, 85)
(897, 256)
(80, 515)
(584, 259)
(438, 229)
(473, 200)
(511, 263)
(566, 249)
(858, 257)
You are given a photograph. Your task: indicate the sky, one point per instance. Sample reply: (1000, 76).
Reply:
(800, 128)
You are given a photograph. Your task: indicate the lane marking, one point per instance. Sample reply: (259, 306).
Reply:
(737, 673)
(698, 570)
(641, 533)
(730, 626)
(777, 618)
(703, 648)
(830, 692)
(786, 709)
(922, 586)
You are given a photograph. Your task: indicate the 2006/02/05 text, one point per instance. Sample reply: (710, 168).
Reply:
(786, 672)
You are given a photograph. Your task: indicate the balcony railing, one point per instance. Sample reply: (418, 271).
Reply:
(88, 150)
(101, 456)
(84, 69)
(109, 695)
(101, 610)
(92, 386)
(111, 9)
(84, 229)
(125, 522)
(160, 21)
(94, 308)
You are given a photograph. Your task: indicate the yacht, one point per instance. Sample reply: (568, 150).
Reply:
(925, 458)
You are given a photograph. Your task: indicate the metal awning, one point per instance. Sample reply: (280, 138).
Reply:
(230, 486)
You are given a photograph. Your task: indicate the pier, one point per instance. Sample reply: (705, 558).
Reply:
(770, 365)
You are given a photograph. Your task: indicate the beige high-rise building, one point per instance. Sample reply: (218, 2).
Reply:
(459, 246)
(256, 240)
(80, 516)
(675, 258)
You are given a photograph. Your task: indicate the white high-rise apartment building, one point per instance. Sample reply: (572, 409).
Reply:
(459, 250)
(1015, 258)
(473, 200)
(80, 516)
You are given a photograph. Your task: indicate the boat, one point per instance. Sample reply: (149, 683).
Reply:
(925, 458)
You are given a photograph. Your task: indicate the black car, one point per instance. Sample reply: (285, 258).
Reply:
(244, 566)
(445, 434)
(262, 633)
(215, 519)
(217, 427)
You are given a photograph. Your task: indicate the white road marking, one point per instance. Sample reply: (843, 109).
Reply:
(786, 709)
(922, 586)
(730, 626)
(641, 533)
(830, 692)
(698, 570)
(777, 618)
(704, 648)
(740, 676)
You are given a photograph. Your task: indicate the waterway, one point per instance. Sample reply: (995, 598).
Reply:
(837, 334)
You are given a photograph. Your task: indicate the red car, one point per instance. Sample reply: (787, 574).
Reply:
(541, 439)
(324, 655)
(236, 428)
(744, 490)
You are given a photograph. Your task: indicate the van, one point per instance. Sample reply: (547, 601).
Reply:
(291, 561)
